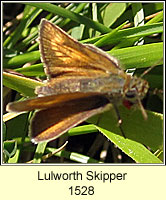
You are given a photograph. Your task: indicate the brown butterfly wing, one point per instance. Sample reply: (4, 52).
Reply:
(64, 56)
(46, 101)
(49, 124)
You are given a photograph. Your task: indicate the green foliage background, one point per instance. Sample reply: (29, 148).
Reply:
(118, 28)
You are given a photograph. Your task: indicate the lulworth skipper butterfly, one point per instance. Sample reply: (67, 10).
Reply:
(82, 81)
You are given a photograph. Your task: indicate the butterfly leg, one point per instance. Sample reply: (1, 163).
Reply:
(119, 120)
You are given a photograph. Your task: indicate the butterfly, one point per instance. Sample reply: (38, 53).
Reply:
(82, 81)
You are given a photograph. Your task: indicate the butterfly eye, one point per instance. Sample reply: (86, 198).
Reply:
(131, 94)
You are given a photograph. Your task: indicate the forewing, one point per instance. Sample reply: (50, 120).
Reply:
(64, 56)
(49, 124)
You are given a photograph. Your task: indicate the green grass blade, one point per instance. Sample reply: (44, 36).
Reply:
(138, 132)
(112, 12)
(71, 15)
(23, 85)
(29, 15)
(76, 157)
(21, 59)
(130, 33)
(39, 152)
(139, 56)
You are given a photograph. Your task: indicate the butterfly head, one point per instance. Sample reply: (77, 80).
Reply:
(134, 91)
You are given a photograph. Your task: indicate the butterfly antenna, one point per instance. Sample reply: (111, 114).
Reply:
(138, 99)
(150, 68)
(145, 116)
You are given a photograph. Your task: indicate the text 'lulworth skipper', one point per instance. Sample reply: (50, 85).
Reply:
(82, 81)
